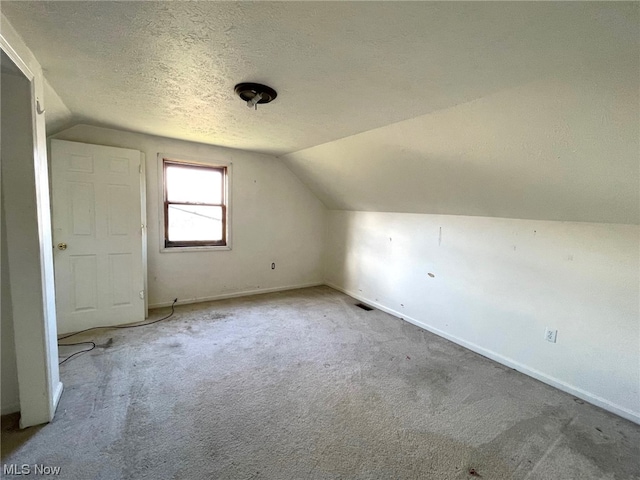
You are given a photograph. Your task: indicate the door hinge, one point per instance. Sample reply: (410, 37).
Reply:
(142, 294)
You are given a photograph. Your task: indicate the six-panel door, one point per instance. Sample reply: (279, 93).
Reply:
(97, 235)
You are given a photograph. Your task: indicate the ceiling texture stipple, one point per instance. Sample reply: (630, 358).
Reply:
(340, 68)
(508, 109)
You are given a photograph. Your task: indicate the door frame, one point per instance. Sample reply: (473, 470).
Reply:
(35, 335)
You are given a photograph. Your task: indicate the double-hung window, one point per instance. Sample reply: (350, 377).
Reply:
(195, 204)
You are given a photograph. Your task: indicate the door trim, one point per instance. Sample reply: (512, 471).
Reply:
(143, 225)
(36, 338)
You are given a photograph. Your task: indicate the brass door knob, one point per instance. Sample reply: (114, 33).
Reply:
(62, 246)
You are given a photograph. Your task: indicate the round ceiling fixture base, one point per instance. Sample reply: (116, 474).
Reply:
(249, 91)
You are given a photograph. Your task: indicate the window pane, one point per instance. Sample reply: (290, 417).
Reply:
(194, 222)
(196, 185)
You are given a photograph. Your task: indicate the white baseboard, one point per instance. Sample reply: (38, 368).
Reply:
(11, 408)
(244, 293)
(549, 380)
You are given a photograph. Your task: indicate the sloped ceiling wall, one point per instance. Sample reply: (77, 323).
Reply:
(58, 116)
(509, 109)
(563, 148)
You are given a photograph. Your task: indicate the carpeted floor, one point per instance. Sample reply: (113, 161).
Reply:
(304, 385)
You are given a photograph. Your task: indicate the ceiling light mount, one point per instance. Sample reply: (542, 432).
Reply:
(255, 93)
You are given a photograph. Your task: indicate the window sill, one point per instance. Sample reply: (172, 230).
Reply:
(209, 248)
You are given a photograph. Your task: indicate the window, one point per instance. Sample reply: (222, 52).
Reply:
(195, 204)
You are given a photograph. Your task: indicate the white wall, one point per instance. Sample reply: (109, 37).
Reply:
(10, 400)
(14, 100)
(58, 116)
(498, 283)
(274, 218)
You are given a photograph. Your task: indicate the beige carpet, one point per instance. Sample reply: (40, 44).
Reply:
(304, 385)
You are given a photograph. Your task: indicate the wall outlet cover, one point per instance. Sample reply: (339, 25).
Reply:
(550, 335)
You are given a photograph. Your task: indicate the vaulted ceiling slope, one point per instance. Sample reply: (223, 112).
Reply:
(514, 109)
(562, 148)
(564, 145)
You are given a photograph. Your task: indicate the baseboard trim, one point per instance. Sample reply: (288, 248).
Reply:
(549, 380)
(243, 293)
(11, 408)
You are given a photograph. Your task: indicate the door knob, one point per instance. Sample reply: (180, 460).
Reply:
(62, 246)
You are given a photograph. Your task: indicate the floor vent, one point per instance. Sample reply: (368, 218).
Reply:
(364, 307)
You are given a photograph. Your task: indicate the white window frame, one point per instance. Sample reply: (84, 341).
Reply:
(227, 194)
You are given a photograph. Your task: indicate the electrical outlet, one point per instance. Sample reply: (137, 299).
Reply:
(550, 335)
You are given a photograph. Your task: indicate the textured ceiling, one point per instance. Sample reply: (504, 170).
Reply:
(340, 68)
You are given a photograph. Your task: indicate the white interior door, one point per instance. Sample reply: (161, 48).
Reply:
(97, 235)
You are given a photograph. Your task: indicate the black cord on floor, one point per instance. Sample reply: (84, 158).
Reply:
(93, 345)
(96, 328)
